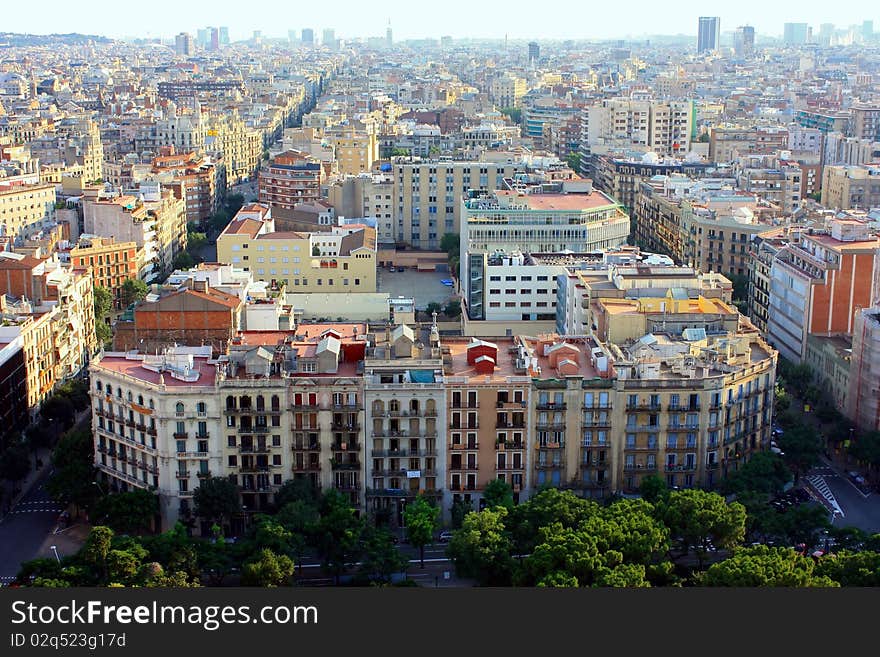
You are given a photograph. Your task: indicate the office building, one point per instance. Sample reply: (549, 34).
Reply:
(708, 33)
(328, 39)
(183, 44)
(308, 37)
(795, 34)
(744, 41)
(534, 53)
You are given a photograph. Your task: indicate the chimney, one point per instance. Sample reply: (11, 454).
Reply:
(200, 285)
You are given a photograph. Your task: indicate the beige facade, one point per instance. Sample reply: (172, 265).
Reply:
(354, 151)
(848, 187)
(24, 209)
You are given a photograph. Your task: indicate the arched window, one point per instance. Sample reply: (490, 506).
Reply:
(119, 392)
(245, 402)
(140, 400)
(178, 409)
(130, 396)
(98, 386)
(276, 403)
(109, 389)
(394, 406)
(152, 404)
(201, 408)
(230, 403)
(261, 403)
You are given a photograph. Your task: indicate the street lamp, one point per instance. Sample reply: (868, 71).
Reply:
(55, 550)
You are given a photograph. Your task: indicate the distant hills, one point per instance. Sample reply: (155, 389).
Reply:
(8, 39)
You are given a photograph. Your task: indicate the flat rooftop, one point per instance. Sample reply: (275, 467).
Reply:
(559, 202)
(133, 367)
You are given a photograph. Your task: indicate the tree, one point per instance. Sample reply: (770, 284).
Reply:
(653, 488)
(128, 513)
(234, 203)
(453, 308)
(216, 499)
(218, 221)
(482, 548)
(421, 520)
(866, 449)
(451, 243)
(272, 535)
(549, 506)
(740, 287)
(183, 260)
(514, 113)
(133, 290)
(802, 447)
(73, 476)
(77, 392)
(103, 305)
(96, 550)
(764, 472)
(267, 569)
(14, 463)
(699, 518)
(434, 307)
(765, 566)
(381, 558)
(59, 408)
(459, 510)
(574, 161)
(851, 568)
(195, 241)
(295, 490)
(338, 532)
(498, 493)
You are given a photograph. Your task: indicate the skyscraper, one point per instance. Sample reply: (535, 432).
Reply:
(202, 38)
(388, 40)
(224, 36)
(795, 34)
(183, 44)
(867, 30)
(744, 41)
(308, 37)
(215, 38)
(709, 33)
(329, 39)
(534, 52)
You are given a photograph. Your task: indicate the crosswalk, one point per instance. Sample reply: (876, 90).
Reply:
(818, 483)
(42, 506)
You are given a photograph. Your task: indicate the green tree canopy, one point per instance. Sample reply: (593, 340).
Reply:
(338, 533)
(129, 512)
(216, 499)
(381, 559)
(765, 472)
(699, 518)
(133, 290)
(14, 463)
(482, 548)
(801, 448)
(498, 493)
(73, 476)
(653, 488)
(851, 568)
(267, 569)
(421, 519)
(765, 566)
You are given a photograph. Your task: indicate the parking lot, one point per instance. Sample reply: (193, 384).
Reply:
(424, 287)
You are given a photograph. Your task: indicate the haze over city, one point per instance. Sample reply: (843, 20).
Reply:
(517, 19)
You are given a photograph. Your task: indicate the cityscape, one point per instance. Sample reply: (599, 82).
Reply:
(330, 310)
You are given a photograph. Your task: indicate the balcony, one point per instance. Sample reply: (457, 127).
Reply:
(181, 436)
(510, 405)
(344, 426)
(260, 428)
(550, 426)
(551, 406)
(182, 474)
(510, 425)
(508, 466)
(465, 427)
(510, 444)
(247, 410)
(643, 467)
(344, 465)
(253, 449)
(352, 446)
(680, 468)
(470, 445)
(306, 406)
(350, 488)
(151, 430)
(203, 475)
(643, 406)
(642, 448)
(306, 467)
(464, 405)
(597, 423)
(305, 446)
(351, 408)
(548, 466)
(595, 463)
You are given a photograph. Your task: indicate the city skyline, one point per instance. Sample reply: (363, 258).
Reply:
(349, 20)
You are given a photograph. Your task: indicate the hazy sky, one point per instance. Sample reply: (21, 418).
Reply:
(519, 19)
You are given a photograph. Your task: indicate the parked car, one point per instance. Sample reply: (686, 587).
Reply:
(445, 536)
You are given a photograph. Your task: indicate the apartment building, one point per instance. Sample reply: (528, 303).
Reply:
(507, 90)
(516, 218)
(25, 209)
(367, 195)
(863, 394)
(762, 251)
(51, 309)
(770, 179)
(13, 389)
(489, 395)
(664, 127)
(865, 121)
(276, 407)
(848, 187)
(428, 196)
(110, 263)
(818, 283)
(727, 143)
(405, 398)
(353, 151)
(154, 220)
(203, 180)
(290, 178)
(340, 260)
